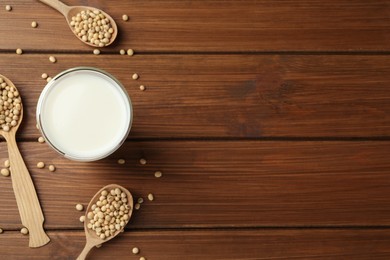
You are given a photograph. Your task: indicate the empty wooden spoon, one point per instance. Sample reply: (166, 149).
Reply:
(26, 197)
(92, 238)
(71, 11)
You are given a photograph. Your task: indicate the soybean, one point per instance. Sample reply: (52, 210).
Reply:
(79, 207)
(7, 163)
(5, 172)
(52, 59)
(41, 165)
(142, 161)
(130, 52)
(135, 250)
(24, 231)
(158, 174)
(121, 161)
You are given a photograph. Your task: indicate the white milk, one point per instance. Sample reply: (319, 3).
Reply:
(84, 114)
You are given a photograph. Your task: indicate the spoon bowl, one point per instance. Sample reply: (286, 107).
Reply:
(92, 239)
(26, 197)
(71, 11)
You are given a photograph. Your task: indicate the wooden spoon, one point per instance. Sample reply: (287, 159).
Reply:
(26, 197)
(70, 11)
(92, 239)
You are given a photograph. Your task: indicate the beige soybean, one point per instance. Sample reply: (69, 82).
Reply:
(142, 87)
(48, 79)
(121, 161)
(7, 163)
(135, 76)
(52, 168)
(142, 161)
(142, 258)
(158, 174)
(5, 172)
(41, 165)
(8, 7)
(44, 75)
(79, 207)
(24, 231)
(96, 51)
(19, 51)
(34, 24)
(135, 250)
(125, 17)
(150, 197)
(82, 219)
(130, 52)
(41, 139)
(122, 52)
(1, 231)
(52, 59)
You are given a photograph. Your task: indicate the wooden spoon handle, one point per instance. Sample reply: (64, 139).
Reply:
(86, 250)
(26, 197)
(58, 5)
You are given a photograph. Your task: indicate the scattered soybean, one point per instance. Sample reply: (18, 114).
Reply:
(24, 231)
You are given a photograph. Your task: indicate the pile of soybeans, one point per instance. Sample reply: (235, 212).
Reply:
(10, 106)
(109, 214)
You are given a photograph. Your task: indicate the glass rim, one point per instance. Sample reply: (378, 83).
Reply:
(45, 93)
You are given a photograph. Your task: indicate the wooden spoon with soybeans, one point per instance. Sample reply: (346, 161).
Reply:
(107, 214)
(101, 32)
(11, 114)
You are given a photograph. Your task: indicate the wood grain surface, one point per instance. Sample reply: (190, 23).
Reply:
(232, 244)
(270, 121)
(213, 25)
(221, 184)
(232, 95)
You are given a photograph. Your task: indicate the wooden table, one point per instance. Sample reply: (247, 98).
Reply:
(270, 121)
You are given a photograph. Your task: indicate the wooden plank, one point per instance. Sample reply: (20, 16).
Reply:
(220, 184)
(227, 26)
(232, 95)
(212, 244)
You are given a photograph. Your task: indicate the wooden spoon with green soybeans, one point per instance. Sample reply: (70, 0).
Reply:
(107, 214)
(91, 25)
(11, 114)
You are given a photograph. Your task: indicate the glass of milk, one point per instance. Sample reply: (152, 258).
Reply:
(84, 113)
